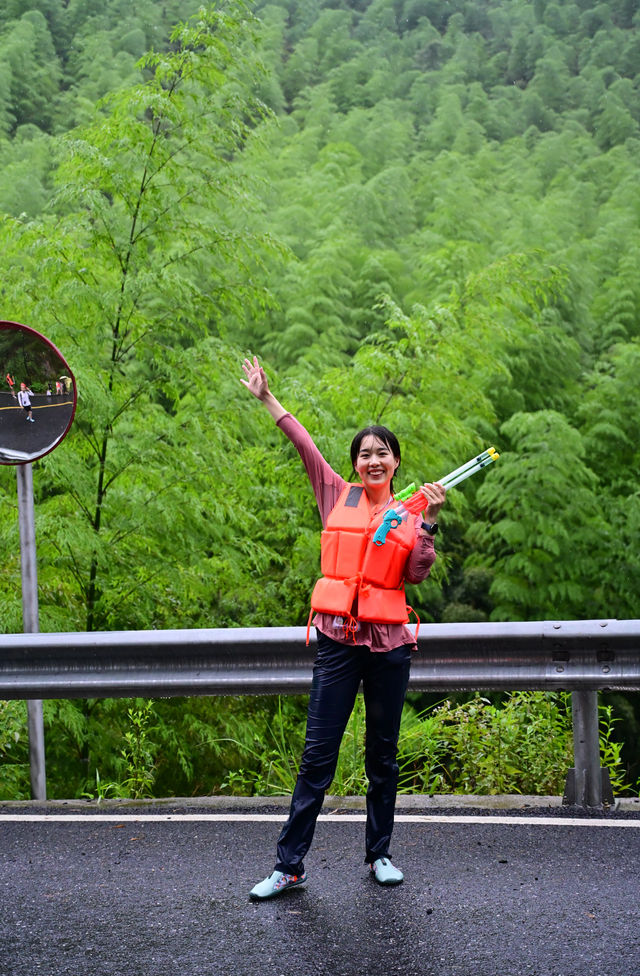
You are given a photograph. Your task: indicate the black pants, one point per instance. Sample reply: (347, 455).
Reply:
(337, 673)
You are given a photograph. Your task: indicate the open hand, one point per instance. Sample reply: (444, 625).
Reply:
(256, 381)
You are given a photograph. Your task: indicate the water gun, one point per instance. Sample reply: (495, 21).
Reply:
(410, 501)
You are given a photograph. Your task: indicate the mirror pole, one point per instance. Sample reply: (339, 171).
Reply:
(31, 622)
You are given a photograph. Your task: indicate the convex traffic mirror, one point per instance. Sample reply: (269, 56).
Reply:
(37, 394)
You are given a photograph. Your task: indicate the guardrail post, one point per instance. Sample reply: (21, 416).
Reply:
(587, 784)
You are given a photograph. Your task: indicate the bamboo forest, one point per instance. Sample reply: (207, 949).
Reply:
(418, 213)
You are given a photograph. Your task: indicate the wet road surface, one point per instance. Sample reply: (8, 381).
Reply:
(21, 440)
(163, 897)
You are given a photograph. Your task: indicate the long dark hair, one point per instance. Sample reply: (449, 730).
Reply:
(383, 434)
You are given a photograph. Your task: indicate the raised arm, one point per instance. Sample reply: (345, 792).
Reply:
(257, 383)
(326, 483)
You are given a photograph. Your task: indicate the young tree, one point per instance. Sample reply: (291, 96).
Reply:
(144, 258)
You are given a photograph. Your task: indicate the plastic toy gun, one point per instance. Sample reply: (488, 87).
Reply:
(409, 501)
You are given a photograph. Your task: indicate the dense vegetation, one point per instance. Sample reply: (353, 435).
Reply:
(423, 214)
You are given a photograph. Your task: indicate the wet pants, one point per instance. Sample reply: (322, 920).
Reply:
(337, 673)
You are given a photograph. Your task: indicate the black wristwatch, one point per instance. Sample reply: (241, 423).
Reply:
(430, 527)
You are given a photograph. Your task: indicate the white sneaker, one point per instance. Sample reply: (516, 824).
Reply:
(385, 873)
(275, 884)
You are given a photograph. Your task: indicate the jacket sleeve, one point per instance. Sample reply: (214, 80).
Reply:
(326, 483)
(421, 559)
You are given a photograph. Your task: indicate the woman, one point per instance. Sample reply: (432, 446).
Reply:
(24, 399)
(360, 623)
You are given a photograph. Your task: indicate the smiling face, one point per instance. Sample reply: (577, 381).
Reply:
(375, 463)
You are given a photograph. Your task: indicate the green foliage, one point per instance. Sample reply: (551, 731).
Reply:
(131, 258)
(139, 751)
(438, 230)
(32, 71)
(541, 514)
(140, 748)
(270, 763)
(523, 747)
(14, 751)
(138, 754)
(26, 172)
(611, 751)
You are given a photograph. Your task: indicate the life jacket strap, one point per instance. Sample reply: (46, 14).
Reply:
(411, 610)
(350, 626)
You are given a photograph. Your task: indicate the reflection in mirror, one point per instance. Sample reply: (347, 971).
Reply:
(37, 394)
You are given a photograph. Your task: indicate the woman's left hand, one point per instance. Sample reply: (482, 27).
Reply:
(435, 496)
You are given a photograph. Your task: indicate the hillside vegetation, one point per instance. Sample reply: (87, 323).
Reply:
(424, 214)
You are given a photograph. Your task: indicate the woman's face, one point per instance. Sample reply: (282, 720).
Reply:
(375, 464)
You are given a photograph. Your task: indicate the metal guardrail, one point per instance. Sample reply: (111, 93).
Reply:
(581, 656)
(545, 655)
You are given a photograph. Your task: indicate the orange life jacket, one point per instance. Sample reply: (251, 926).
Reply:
(360, 580)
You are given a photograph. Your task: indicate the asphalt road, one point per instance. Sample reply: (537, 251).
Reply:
(132, 897)
(21, 440)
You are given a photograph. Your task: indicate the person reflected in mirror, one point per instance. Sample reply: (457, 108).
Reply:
(360, 621)
(58, 388)
(49, 390)
(11, 381)
(24, 399)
